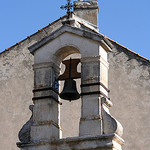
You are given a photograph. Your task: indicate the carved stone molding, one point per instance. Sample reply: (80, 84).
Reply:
(110, 124)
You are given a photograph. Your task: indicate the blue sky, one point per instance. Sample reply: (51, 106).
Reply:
(125, 21)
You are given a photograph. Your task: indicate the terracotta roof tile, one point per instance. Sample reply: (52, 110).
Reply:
(125, 47)
(121, 45)
(128, 49)
(33, 34)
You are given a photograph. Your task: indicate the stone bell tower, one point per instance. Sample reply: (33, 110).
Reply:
(97, 128)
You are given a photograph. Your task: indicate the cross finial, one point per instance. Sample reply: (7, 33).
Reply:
(67, 7)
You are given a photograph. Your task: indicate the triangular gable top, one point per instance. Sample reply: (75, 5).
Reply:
(53, 23)
(74, 30)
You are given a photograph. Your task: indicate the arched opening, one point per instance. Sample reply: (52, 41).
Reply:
(69, 112)
(63, 52)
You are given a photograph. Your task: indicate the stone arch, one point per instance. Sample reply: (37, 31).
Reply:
(63, 52)
(50, 51)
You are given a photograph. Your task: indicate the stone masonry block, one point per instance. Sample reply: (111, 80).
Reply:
(45, 110)
(90, 106)
(42, 77)
(90, 127)
(44, 132)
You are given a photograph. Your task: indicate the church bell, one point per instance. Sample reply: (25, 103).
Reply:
(69, 91)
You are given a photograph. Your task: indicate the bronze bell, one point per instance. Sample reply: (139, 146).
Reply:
(70, 91)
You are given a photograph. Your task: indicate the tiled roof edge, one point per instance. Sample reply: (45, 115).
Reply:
(128, 49)
(125, 48)
(118, 44)
(32, 35)
(87, 27)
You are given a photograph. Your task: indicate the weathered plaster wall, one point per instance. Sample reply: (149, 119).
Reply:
(16, 85)
(129, 83)
(16, 82)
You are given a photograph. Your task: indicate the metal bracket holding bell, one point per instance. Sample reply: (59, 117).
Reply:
(69, 91)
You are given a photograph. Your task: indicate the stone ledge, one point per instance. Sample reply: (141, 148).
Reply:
(110, 141)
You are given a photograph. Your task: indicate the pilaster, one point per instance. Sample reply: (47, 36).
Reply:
(93, 87)
(45, 110)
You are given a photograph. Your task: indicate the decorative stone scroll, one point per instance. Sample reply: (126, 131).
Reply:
(110, 124)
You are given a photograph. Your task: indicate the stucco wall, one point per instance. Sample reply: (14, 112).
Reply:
(129, 82)
(16, 83)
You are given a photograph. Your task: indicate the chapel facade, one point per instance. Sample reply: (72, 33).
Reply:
(128, 84)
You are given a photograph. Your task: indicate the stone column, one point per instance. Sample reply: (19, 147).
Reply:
(94, 82)
(45, 111)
